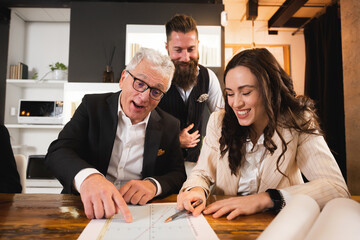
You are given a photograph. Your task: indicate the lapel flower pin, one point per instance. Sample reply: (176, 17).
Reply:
(160, 152)
(203, 98)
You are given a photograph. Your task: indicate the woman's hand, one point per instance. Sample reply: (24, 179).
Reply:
(236, 206)
(186, 198)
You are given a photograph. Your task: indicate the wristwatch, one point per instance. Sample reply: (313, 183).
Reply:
(277, 199)
(153, 182)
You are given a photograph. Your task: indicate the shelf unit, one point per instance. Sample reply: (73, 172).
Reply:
(32, 43)
(34, 139)
(43, 126)
(25, 83)
(28, 139)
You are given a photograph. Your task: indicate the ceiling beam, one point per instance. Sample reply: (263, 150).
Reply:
(36, 3)
(295, 22)
(285, 12)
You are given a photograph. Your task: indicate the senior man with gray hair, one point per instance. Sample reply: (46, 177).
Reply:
(119, 147)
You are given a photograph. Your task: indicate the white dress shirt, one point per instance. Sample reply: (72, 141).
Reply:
(127, 155)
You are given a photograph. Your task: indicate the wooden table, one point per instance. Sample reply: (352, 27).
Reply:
(61, 216)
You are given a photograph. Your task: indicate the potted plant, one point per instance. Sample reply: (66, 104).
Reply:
(59, 71)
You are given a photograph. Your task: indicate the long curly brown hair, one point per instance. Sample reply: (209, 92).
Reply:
(282, 107)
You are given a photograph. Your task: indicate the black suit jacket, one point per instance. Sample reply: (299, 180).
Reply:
(88, 138)
(9, 176)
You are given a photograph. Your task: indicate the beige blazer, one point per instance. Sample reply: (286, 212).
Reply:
(306, 153)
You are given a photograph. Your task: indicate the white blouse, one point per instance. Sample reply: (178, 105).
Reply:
(251, 166)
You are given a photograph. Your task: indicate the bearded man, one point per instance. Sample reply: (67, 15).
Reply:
(193, 85)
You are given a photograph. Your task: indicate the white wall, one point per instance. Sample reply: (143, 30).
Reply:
(16, 41)
(240, 32)
(74, 92)
(44, 49)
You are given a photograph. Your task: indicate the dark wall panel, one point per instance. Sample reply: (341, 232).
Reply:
(97, 27)
(4, 42)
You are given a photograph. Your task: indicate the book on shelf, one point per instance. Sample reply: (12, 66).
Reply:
(19, 71)
(301, 219)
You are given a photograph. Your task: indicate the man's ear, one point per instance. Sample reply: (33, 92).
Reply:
(122, 78)
(166, 46)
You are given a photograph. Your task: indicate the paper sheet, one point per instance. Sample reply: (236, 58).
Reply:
(148, 223)
(294, 221)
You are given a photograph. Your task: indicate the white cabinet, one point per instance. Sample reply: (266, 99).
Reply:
(29, 139)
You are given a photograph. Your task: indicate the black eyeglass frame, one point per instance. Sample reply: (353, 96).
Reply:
(147, 86)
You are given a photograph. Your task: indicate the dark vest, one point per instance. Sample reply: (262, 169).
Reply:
(189, 112)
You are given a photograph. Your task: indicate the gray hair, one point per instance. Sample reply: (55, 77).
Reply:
(161, 63)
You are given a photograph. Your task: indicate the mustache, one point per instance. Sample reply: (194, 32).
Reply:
(182, 63)
(190, 62)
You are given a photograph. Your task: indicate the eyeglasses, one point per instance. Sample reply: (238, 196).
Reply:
(141, 86)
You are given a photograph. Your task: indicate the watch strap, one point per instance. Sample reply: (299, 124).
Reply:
(153, 182)
(277, 199)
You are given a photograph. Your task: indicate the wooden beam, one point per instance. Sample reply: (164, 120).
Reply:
(295, 22)
(285, 12)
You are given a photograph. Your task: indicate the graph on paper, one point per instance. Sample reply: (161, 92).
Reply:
(148, 224)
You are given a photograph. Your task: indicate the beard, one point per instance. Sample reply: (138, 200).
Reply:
(185, 77)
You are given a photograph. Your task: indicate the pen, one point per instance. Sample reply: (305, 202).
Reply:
(197, 203)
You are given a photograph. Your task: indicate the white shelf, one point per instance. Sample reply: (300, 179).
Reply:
(26, 83)
(47, 183)
(45, 126)
(43, 186)
(32, 190)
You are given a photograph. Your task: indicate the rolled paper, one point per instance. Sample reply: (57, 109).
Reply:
(294, 220)
(339, 219)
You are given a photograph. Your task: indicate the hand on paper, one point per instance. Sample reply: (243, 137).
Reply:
(102, 199)
(236, 206)
(186, 198)
(138, 191)
(188, 140)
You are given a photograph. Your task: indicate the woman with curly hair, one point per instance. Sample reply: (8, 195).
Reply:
(259, 146)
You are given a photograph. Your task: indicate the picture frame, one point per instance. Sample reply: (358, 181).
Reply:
(280, 51)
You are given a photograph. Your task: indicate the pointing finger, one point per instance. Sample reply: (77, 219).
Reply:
(121, 204)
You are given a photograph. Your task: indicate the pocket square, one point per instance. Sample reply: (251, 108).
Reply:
(160, 152)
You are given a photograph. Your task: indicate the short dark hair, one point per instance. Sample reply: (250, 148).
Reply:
(180, 23)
